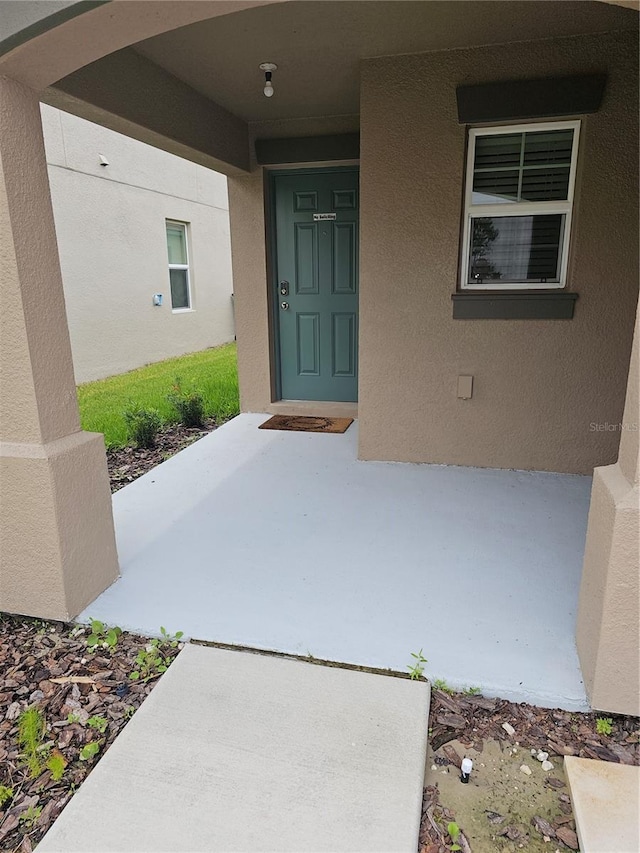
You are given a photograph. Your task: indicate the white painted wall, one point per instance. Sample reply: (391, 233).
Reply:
(110, 222)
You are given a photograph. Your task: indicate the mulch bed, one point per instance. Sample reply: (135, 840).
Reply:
(474, 719)
(126, 464)
(33, 654)
(95, 684)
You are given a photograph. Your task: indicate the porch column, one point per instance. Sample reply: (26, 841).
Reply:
(608, 637)
(57, 543)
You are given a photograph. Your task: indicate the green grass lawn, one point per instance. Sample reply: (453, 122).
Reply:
(213, 372)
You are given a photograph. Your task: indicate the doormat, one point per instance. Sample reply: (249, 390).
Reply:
(297, 423)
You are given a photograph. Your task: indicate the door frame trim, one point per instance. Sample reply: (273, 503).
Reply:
(270, 177)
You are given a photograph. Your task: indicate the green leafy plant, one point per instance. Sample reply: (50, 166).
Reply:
(56, 765)
(142, 425)
(30, 816)
(98, 723)
(73, 718)
(472, 691)
(102, 636)
(90, 750)
(31, 729)
(454, 833)
(171, 640)
(417, 669)
(441, 684)
(189, 403)
(129, 712)
(6, 795)
(149, 663)
(604, 725)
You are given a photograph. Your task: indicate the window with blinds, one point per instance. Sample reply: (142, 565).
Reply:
(518, 204)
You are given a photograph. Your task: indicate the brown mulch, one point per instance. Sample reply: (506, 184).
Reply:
(126, 464)
(94, 684)
(474, 719)
(48, 665)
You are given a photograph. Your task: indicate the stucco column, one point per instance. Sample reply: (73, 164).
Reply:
(608, 630)
(57, 544)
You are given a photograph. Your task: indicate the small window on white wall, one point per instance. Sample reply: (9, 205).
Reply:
(179, 278)
(518, 206)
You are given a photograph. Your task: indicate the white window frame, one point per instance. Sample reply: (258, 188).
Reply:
(518, 208)
(185, 227)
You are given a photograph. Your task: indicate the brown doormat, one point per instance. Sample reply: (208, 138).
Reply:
(296, 423)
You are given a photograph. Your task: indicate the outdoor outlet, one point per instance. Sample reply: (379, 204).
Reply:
(465, 387)
(157, 299)
(103, 160)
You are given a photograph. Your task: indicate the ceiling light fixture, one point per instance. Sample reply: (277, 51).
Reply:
(268, 68)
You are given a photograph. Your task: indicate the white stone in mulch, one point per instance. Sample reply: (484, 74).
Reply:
(235, 751)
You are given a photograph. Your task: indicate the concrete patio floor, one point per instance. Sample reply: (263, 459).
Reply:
(284, 541)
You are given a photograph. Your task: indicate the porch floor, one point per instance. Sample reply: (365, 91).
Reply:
(284, 541)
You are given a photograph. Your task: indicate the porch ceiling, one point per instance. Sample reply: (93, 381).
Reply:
(318, 45)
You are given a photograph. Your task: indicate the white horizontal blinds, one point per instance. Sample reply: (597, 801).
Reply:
(497, 168)
(516, 248)
(518, 205)
(516, 167)
(546, 166)
(178, 265)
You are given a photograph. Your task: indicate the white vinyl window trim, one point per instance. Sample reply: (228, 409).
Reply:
(186, 266)
(518, 208)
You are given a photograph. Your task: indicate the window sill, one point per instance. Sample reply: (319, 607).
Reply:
(503, 305)
(182, 310)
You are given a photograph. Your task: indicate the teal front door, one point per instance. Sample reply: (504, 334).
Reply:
(316, 283)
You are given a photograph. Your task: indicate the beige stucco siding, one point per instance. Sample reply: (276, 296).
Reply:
(547, 394)
(110, 224)
(539, 386)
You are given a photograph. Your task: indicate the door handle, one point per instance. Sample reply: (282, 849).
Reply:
(284, 288)
(284, 306)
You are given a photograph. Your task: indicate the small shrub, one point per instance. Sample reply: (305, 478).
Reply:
(89, 750)
(151, 660)
(441, 684)
(189, 403)
(454, 834)
(416, 670)
(102, 636)
(56, 765)
(142, 425)
(30, 816)
(149, 664)
(171, 640)
(604, 725)
(98, 723)
(31, 728)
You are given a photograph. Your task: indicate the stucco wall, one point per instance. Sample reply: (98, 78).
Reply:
(110, 224)
(538, 385)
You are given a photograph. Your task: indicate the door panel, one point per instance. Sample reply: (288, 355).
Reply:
(317, 284)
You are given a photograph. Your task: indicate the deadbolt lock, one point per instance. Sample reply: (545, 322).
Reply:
(284, 288)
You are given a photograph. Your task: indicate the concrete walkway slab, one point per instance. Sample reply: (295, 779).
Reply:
(606, 805)
(285, 541)
(235, 751)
